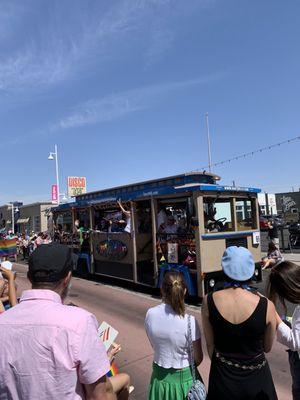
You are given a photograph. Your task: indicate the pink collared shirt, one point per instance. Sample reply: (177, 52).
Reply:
(48, 351)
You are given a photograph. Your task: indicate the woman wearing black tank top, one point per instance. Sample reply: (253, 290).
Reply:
(239, 327)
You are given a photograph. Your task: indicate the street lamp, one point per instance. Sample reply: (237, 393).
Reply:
(51, 157)
(64, 197)
(13, 210)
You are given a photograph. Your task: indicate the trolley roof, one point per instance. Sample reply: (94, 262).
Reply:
(184, 183)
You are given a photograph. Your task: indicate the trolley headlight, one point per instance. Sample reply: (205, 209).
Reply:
(211, 283)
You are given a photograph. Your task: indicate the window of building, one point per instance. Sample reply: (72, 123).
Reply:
(36, 223)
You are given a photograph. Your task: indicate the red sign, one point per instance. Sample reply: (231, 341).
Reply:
(54, 192)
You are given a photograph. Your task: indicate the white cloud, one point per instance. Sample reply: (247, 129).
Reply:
(118, 105)
(160, 42)
(105, 109)
(67, 39)
(10, 15)
(60, 46)
(30, 70)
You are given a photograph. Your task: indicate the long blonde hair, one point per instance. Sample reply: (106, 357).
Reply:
(173, 291)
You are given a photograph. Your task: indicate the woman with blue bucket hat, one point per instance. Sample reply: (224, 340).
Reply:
(239, 326)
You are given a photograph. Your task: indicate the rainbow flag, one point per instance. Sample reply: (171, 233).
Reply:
(8, 247)
(113, 370)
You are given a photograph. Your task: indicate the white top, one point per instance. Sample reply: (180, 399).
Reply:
(168, 335)
(128, 224)
(290, 337)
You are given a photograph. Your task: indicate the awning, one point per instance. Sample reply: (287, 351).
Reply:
(23, 221)
(8, 222)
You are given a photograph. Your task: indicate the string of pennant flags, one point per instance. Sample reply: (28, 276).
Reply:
(249, 154)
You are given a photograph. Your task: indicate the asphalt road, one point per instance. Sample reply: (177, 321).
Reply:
(125, 310)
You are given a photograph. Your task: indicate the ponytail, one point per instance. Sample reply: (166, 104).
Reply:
(173, 292)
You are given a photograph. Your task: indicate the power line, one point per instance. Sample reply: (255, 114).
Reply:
(250, 153)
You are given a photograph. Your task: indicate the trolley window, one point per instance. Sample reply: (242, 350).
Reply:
(83, 217)
(217, 215)
(108, 219)
(176, 231)
(144, 219)
(63, 221)
(245, 215)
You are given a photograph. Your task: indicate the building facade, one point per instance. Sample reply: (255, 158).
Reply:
(27, 218)
(288, 204)
(267, 203)
(9, 214)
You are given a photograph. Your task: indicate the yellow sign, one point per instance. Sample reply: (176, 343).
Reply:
(76, 185)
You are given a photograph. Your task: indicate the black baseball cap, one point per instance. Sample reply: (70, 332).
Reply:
(50, 263)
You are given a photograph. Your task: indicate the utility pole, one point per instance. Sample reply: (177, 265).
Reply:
(51, 157)
(12, 218)
(57, 174)
(208, 142)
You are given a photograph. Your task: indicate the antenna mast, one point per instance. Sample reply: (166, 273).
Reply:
(208, 142)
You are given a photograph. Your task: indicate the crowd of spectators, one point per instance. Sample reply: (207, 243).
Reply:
(26, 243)
(50, 350)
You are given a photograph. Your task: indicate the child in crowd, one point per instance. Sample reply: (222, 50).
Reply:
(284, 284)
(167, 329)
(7, 286)
(274, 256)
(121, 381)
(239, 326)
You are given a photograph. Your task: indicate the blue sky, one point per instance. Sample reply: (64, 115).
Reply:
(122, 87)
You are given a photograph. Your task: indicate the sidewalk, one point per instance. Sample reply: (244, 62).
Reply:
(293, 257)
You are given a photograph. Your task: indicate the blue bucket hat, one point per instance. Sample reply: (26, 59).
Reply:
(238, 263)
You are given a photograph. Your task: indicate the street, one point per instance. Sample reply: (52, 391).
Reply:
(125, 311)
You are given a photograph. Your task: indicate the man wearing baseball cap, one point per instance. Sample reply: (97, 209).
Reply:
(50, 350)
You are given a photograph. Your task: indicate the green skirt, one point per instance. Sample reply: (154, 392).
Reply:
(170, 384)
